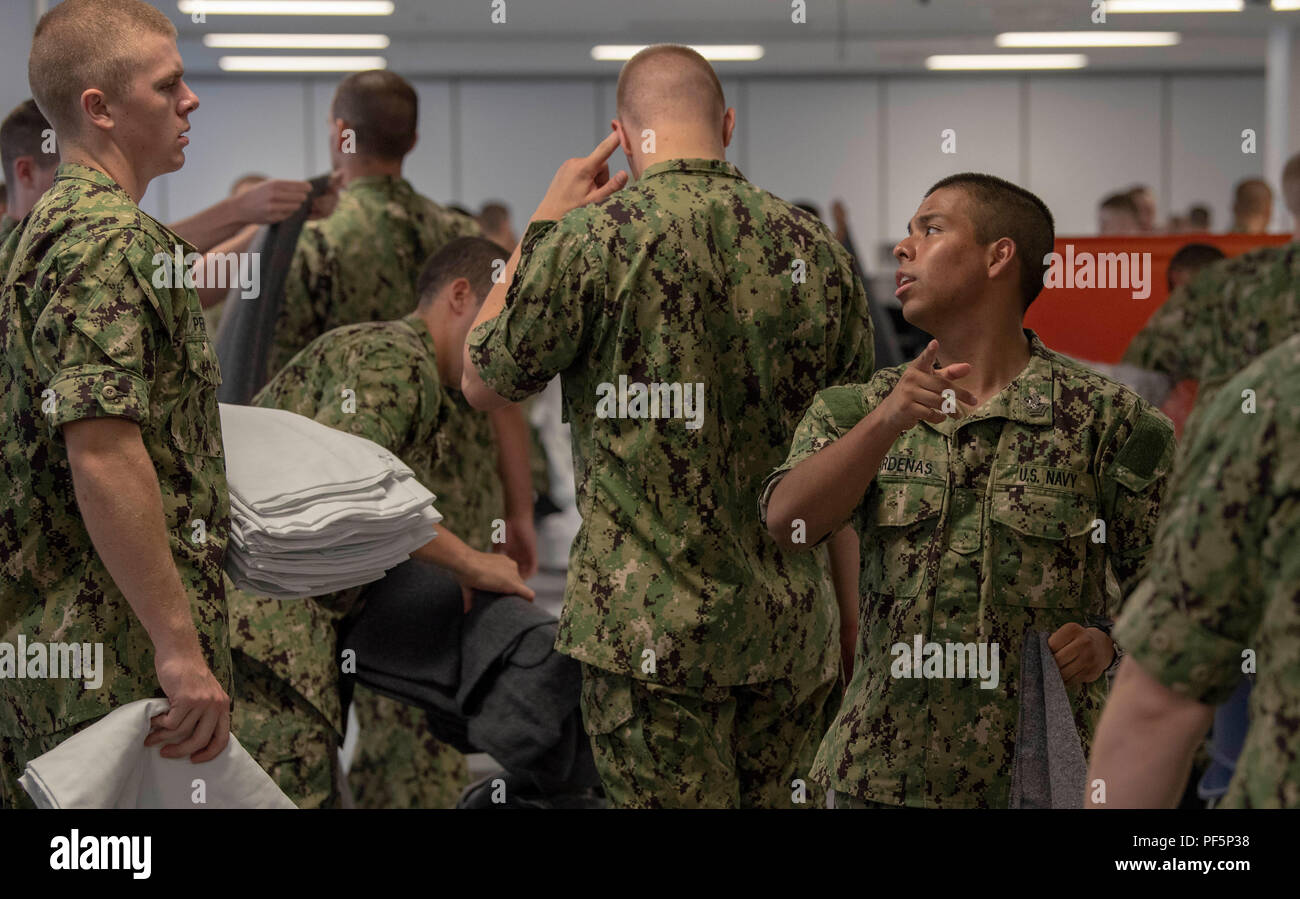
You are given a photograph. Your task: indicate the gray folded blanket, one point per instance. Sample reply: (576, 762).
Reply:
(1049, 769)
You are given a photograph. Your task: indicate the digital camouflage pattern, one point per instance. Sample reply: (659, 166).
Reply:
(1225, 574)
(692, 275)
(981, 529)
(362, 262)
(1229, 314)
(708, 747)
(402, 404)
(83, 319)
(398, 762)
(288, 737)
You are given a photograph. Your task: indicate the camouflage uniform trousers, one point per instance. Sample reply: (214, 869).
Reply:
(16, 753)
(708, 747)
(288, 737)
(398, 762)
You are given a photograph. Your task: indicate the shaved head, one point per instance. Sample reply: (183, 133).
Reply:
(82, 44)
(669, 83)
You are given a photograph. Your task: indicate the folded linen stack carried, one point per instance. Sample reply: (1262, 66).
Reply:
(314, 510)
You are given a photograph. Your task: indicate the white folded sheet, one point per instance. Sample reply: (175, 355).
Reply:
(107, 765)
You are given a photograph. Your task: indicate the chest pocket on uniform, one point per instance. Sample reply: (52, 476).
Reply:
(195, 420)
(1039, 546)
(901, 516)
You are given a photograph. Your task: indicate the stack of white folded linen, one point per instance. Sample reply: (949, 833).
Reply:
(314, 510)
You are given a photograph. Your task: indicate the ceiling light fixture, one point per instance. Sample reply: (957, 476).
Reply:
(963, 62)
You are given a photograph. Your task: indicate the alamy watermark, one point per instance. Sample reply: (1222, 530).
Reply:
(633, 399)
(1073, 270)
(221, 270)
(71, 661)
(946, 660)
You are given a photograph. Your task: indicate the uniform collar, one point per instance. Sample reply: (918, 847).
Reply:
(86, 173)
(694, 167)
(1027, 399)
(379, 182)
(422, 329)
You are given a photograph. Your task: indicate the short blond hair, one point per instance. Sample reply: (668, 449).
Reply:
(83, 44)
(691, 91)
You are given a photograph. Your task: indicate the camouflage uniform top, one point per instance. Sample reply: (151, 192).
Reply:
(88, 334)
(1230, 313)
(691, 276)
(7, 227)
(401, 404)
(979, 530)
(1225, 574)
(361, 263)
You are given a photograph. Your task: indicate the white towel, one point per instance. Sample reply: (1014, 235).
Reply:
(107, 765)
(315, 510)
(281, 460)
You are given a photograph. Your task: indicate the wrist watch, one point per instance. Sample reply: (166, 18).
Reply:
(1105, 627)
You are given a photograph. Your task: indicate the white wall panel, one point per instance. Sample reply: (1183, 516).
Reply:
(819, 140)
(514, 134)
(241, 126)
(1089, 137)
(1207, 117)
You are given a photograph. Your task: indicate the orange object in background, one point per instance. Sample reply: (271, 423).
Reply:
(1096, 323)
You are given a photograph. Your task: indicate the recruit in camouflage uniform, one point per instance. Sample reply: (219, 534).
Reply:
(1215, 325)
(106, 342)
(1225, 573)
(701, 640)
(287, 676)
(978, 530)
(360, 264)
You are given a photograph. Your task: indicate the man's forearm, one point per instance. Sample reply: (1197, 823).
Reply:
(210, 227)
(845, 560)
(1145, 742)
(513, 465)
(823, 489)
(446, 551)
(121, 505)
(477, 393)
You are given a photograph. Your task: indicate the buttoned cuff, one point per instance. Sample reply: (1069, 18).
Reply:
(94, 391)
(1174, 649)
(497, 366)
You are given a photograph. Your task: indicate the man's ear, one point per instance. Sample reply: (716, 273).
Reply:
(1002, 256)
(624, 140)
(25, 170)
(461, 297)
(95, 106)
(728, 125)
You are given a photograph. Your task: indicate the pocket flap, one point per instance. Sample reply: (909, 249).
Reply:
(897, 503)
(1046, 514)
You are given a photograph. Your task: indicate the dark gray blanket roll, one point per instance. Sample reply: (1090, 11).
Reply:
(1049, 769)
(490, 680)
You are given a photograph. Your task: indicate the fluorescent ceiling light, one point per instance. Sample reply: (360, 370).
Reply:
(1097, 38)
(958, 62)
(1286, 5)
(286, 7)
(299, 41)
(1174, 5)
(717, 52)
(301, 63)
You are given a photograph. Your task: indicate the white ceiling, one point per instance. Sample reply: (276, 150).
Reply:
(554, 37)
